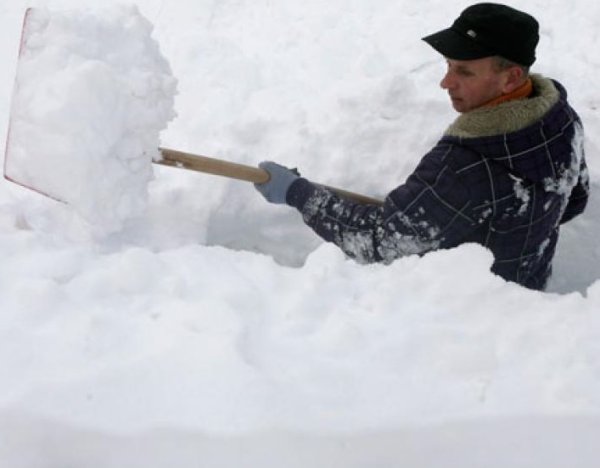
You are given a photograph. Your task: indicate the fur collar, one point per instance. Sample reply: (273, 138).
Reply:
(509, 116)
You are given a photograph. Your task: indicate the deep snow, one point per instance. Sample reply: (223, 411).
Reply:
(214, 329)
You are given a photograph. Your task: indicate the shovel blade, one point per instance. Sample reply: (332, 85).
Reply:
(17, 168)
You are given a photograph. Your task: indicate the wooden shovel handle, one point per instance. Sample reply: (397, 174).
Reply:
(213, 166)
(232, 170)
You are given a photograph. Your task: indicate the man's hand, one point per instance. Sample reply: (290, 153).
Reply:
(275, 189)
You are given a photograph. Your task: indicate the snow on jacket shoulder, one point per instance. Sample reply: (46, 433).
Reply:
(504, 177)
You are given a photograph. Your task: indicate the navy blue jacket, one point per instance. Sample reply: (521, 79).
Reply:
(504, 177)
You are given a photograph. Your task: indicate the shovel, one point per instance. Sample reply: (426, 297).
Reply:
(38, 176)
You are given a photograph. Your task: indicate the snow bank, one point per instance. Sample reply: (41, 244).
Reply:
(230, 342)
(216, 329)
(92, 93)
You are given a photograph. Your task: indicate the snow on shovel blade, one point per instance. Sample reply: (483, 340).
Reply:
(91, 94)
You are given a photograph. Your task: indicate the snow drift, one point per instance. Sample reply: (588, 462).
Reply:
(213, 328)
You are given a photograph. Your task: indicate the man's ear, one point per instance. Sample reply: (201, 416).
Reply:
(514, 77)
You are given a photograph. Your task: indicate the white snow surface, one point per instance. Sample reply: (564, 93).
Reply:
(214, 329)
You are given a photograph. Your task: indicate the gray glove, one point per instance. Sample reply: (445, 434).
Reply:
(275, 189)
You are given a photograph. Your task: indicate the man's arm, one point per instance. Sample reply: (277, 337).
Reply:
(428, 212)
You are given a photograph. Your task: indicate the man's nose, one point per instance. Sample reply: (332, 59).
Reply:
(447, 82)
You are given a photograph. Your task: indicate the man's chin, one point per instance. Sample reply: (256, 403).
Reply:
(459, 105)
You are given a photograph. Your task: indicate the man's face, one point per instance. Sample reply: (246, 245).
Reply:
(472, 83)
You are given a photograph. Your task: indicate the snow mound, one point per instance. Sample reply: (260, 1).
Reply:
(91, 95)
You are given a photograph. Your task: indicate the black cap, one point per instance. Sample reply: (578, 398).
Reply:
(488, 29)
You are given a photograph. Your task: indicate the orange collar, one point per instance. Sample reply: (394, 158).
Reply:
(521, 92)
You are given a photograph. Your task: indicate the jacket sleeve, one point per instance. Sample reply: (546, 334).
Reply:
(579, 196)
(428, 212)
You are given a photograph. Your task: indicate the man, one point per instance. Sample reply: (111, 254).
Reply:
(506, 173)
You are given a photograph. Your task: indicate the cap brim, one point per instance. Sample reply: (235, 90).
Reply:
(454, 45)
